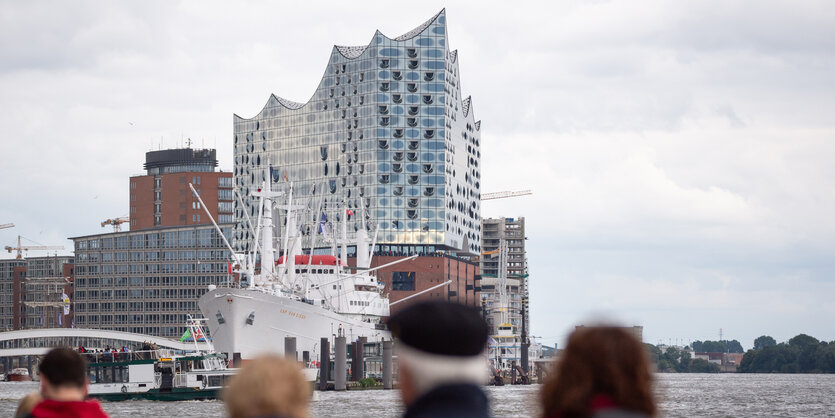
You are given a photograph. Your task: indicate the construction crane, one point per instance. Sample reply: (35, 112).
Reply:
(4, 226)
(117, 222)
(504, 195)
(21, 248)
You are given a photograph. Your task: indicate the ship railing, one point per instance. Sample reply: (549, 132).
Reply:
(180, 379)
(120, 356)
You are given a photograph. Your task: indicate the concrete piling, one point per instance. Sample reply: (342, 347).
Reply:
(387, 349)
(340, 371)
(354, 369)
(360, 370)
(290, 348)
(324, 366)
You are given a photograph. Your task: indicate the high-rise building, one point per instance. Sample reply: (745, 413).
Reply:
(511, 231)
(147, 281)
(162, 197)
(387, 131)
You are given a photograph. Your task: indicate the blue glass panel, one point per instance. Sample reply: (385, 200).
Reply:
(381, 133)
(396, 178)
(412, 76)
(438, 29)
(428, 156)
(440, 77)
(412, 133)
(434, 87)
(382, 97)
(441, 20)
(433, 179)
(428, 213)
(425, 41)
(413, 191)
(438, 226)
(441, 42)
(389, 52)
(381, 190)
(412, 168)
(397, 110)
(397, 144)
(412, 98)
(433, 110)
(428, 122)
(435, 145)
(433, 53)
(382, 155)
(383, 167)
(384, 74)
(384, 201)
(433, 65)
(434, 203)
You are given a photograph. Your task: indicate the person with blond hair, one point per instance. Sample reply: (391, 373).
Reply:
(27, 404)
(268, 386)
(603, 372)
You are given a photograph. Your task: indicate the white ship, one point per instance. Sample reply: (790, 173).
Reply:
(301, 296)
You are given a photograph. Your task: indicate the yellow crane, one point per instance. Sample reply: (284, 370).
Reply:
(20, 248)
(116, 222)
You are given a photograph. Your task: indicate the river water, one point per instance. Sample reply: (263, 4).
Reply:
(682, 395)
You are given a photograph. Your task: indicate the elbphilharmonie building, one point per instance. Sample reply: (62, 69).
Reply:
(386, 133)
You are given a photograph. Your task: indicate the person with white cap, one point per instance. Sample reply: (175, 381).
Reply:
(442, 361)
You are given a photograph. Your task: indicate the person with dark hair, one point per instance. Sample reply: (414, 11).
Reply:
(442, 361)
(63, 375)
(603, 372)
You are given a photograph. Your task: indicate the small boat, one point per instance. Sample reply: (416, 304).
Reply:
(158, 375)
(20, 374)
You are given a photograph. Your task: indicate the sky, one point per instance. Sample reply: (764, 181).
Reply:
(680, 152)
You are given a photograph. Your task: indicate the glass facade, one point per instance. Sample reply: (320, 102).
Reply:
(387, 130)
(147, 281)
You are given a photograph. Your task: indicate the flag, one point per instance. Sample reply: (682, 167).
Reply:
(323, 225)
(349, 212)
(60, 323)
(229, 265)
(66, 300)
(198, 335)
(285, 176)
(186, 335)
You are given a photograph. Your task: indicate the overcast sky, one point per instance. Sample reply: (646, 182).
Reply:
(681, 153)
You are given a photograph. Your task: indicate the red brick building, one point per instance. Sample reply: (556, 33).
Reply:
(413, 276)
(162, 197)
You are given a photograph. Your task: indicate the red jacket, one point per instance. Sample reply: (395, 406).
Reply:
(72, 409)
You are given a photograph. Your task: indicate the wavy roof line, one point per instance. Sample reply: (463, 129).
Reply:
(353, 52)
(416, 31)
(465, 105)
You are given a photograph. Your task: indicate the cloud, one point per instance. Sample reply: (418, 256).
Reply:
(680, 153)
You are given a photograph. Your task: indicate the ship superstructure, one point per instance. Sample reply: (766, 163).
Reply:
(299, 295)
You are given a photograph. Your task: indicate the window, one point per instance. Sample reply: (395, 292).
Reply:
(195, 180)
(402, 280)
(195, 218)
(195, 205)
(224, 182)
(224, 194)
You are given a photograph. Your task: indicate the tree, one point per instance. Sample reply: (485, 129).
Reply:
(763, 342)
(802, 341)
(701, 365)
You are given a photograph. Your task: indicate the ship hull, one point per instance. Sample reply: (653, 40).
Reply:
(253, 322)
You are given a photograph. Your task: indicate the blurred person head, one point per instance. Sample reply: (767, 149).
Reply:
(602, 368)
(63, 375)
(439, 343)
(27, 404)
(268, 385)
